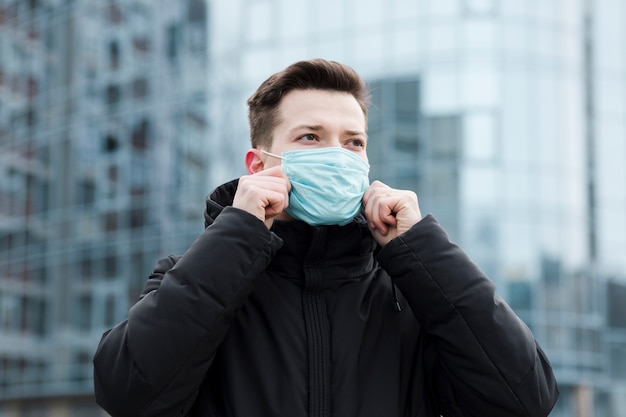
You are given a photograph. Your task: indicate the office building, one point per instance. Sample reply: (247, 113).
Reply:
(103, 167)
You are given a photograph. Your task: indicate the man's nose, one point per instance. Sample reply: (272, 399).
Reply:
(333, 142)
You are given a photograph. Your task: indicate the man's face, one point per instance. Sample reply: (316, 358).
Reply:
(310, 119)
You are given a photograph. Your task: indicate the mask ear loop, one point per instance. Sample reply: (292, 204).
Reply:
(271, 154)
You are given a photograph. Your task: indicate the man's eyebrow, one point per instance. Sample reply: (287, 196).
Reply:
(315, 128)
(356, 133)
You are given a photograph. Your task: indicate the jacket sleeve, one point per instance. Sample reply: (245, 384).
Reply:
(153, 363)
(490, 362)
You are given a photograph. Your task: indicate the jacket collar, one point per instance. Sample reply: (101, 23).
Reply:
(339, 251)
(221, 197)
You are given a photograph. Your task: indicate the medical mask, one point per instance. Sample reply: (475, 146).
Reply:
(327, 184)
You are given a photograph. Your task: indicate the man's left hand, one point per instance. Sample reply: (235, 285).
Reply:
(389, 212)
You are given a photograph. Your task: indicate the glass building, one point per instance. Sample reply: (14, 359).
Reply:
(507, 118)
(117, 117)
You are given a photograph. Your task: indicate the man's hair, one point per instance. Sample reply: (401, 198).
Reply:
(316, 74)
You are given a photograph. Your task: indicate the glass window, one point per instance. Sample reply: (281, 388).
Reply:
(407, 101)
(571, 12)
(548, 222)
(516, 121)
(87, 192)
(569, 50)
(111, 263)
(84, 313)
(172, 41)
(515, 38)
(610, 160)
(140, 19)
(518, 190)
(543, 42)
(259, 61)
(611, 232)
(615, 304)
(480, 186)
(406, 9)
(110, 316)
(519, 295)
(330, 47)
(480, 6)
(260, 21)
(335, 21)
(114, 55)
(113, 95)
(444, 8)
(290, 27)
(406, 142)
(514, 8)
(618, 361)
(546, 149)
(288, 54)
(443, 134)
(479, 136)
(370, 47)
(110, 143)
(443, 38)
(110, 220)
(555, 337)
(141, 135)
(610, 96)
(405, 43)
(366, 15)
(196, 11)
(608, 34)
(479, 86)
(479, 34)
(444, 180)
(441, 90)
(140, 88)
(544, 12)
(575, 242)
(518, 247)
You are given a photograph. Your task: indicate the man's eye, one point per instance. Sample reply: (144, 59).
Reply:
(357, 142)
(308, 137)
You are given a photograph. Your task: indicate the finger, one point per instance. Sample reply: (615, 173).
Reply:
(387, 214)
(276, 203)
(373, 213)
(382, 214)
(274, 172)
(262, 195)
(371, 201)
(375, 188)
(252, 184)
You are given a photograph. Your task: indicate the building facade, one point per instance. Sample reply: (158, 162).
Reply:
(102, 171)
(117, 117)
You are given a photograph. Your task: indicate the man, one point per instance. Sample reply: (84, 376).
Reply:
(313, 293)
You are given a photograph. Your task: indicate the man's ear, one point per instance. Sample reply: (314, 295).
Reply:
(254, 161)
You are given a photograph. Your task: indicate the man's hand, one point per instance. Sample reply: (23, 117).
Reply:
(264, 194)
(389, 212)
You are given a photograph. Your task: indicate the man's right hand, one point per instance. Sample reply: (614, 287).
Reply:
(264, 194)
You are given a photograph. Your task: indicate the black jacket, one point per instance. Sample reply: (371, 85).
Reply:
(302, 321)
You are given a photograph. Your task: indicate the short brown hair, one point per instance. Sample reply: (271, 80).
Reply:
(316, 74)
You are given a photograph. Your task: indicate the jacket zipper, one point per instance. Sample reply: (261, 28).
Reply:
(317, 328)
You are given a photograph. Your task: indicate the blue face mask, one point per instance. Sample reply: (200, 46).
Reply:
(327, 184)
